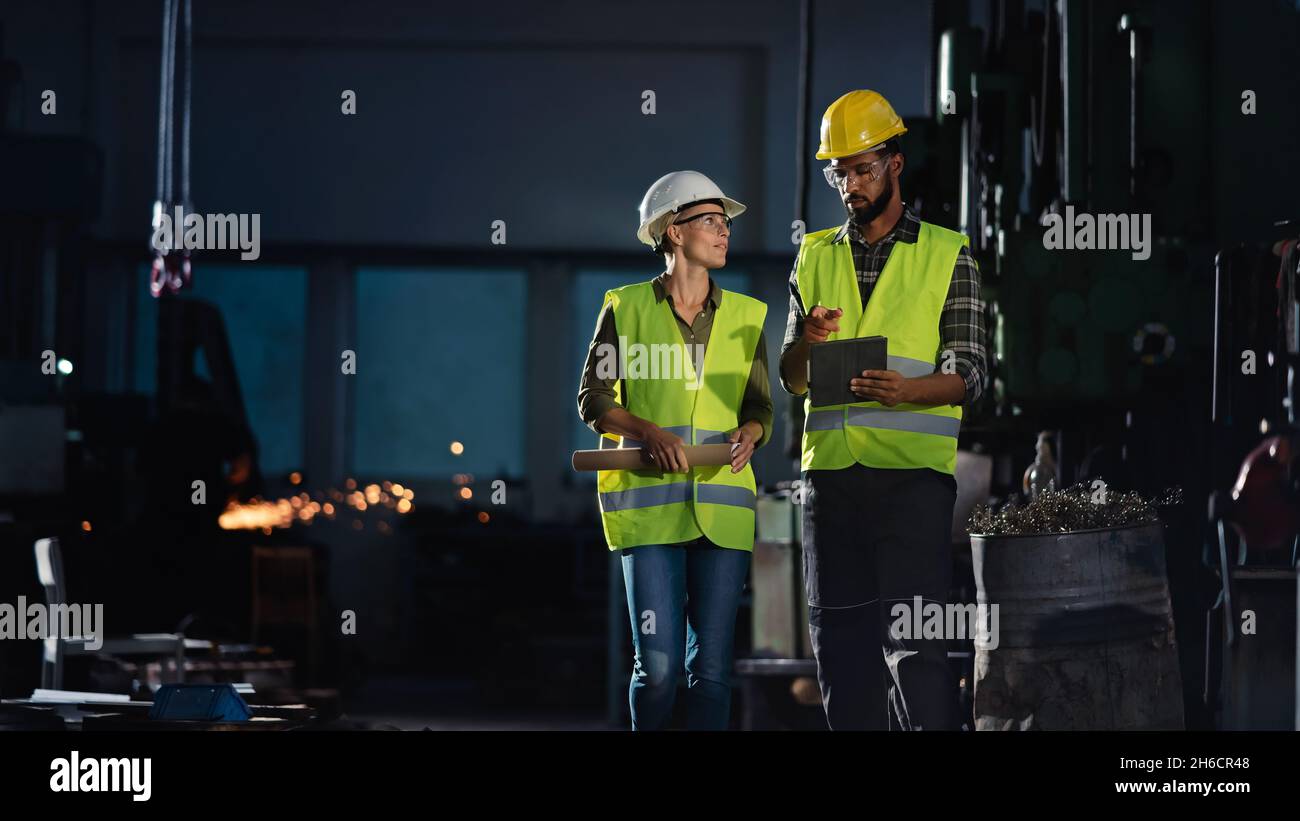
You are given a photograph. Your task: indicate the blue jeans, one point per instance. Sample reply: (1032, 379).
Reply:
(682, 601)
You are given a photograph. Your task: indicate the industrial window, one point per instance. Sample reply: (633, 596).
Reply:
(264, 312)
(440, 381)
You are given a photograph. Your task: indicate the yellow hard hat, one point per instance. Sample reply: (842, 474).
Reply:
(859, 121)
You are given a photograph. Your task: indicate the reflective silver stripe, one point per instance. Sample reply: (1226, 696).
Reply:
(824, 420)
(684, 431)
(649, 496)
(656, 495)
(711, 437)
(726, 495)
(903, 420)
(884, 418)
(910, 367)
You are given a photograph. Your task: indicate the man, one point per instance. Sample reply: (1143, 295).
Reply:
(878, 474)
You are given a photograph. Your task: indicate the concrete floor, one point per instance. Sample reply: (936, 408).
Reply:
(416, 703)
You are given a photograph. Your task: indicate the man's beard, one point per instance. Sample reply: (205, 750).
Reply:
(864, 216)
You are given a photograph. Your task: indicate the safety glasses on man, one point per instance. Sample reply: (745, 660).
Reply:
(837, 176)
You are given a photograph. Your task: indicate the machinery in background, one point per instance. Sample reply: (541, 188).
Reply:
(1042, 112)
(1087, 108)
(49, 197)
(1072, 109)
(96, 469)
(1252, 647)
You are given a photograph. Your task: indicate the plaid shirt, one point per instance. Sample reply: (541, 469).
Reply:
(961, 323)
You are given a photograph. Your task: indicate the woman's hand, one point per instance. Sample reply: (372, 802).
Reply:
(665, 449)
(744, 439)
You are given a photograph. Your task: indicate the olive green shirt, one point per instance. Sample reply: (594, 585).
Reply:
(596, 396)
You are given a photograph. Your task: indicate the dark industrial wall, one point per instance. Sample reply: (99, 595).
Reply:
(532, 115)
(529, 113)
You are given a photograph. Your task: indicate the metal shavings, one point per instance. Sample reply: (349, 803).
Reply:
(1081, 507)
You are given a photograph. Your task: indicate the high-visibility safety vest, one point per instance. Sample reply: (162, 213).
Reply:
(904, 307)
(640, 507)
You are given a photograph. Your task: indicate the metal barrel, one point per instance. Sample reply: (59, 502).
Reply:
(1085, 632)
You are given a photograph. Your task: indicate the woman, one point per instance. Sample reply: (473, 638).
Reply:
(685, 533)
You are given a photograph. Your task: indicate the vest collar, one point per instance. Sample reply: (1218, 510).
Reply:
(907, 229)
(661, 293)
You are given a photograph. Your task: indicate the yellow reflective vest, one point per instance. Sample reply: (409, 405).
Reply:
(640, 507)
(904, 307)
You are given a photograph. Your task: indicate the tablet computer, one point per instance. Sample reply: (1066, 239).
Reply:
(832, 364)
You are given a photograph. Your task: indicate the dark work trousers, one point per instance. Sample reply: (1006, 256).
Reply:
(872, 538)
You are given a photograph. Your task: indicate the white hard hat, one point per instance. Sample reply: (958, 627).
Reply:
(673, 192)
